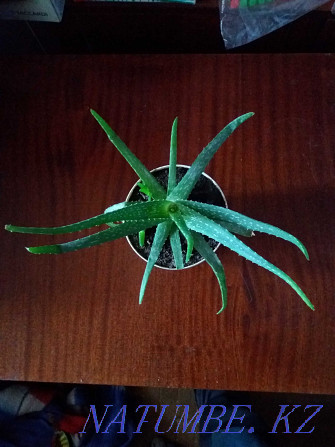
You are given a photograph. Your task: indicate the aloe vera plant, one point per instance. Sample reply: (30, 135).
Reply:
(172, 213)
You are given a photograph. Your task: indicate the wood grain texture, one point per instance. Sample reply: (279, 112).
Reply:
(75, 317)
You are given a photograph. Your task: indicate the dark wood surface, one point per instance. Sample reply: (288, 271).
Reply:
(76, 317)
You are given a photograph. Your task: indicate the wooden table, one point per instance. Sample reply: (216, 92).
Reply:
(76, 317)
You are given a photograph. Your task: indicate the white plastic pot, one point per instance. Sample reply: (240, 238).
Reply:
(130, 194)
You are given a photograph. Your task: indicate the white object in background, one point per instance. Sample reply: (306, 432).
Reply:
(41, 10)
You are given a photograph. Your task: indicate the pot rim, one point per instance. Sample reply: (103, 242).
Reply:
(159, 169)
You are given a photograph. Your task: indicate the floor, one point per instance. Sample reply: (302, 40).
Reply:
(267, 405)
(163, 419)
(172, 398)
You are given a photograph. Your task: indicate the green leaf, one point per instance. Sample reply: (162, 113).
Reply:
(234, 228)
(141, 238)
(158, 192)
(173, 157)
(161, 235)
(211, 258)
(197, 222)
(115, 232)
(120, 211)
(179, 221)
(176, 247)
(145, 190)
(216, 212)
(187, 183)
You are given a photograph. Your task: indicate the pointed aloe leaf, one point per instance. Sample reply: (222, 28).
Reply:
(176, 247)
(211, 258)
(115, 232)
(179, 221)
(216, 212)
(187, 183)
(161, 235)
(173, 157)
(197, 222)
(120, 211)
(157, 191)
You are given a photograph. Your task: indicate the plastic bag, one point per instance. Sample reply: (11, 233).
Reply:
(243, 21)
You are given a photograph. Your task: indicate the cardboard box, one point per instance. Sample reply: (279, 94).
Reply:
(41, 10)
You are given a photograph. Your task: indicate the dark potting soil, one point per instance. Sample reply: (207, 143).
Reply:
(204, 191)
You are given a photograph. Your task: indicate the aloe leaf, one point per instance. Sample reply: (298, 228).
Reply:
(145, 190)
(187, 183)
(179, 221)
(216, 212)
(197, 222)
(234, 228)
(176, 247)
(118, 206)
(115, 232)
(120, 211)
(141, 238)
(157, 191)
(211, 258)
(161, 235)
(173, 157)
